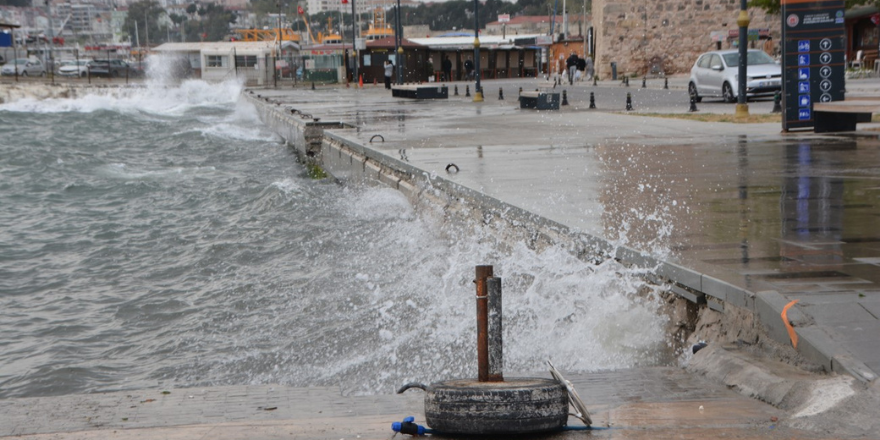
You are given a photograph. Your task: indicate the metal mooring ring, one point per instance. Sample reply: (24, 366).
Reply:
(452, 165)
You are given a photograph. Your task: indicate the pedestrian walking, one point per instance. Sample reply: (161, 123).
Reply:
(571, 67)
(469, 68)
(389, 71)
(446, 66)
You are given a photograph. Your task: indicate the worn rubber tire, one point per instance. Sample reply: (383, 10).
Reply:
(727, 93)
(515, 406)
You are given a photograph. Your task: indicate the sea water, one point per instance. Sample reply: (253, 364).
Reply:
(162, 237)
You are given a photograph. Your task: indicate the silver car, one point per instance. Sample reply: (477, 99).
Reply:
(74, 68)
(716, 74)
(25, 67)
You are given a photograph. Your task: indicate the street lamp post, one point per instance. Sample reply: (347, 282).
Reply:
(398, 43)
(742, 109)
(478, 91)
(354, 50)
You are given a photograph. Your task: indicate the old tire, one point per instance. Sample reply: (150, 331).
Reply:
(515, 406)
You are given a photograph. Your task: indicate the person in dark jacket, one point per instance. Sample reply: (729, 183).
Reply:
(446, 65)
(571, 66)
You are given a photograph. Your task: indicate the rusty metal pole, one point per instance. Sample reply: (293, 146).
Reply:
(483, 273)
(496, 354)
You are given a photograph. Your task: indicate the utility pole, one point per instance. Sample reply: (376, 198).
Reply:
(478, 91)
(742, 109)
(354, 50)
(398, 42)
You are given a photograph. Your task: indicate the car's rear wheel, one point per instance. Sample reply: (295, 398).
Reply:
(692, 92)
(24, 73)
(83, 74)
(727, 93)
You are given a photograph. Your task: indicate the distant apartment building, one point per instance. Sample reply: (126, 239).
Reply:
(363, 6)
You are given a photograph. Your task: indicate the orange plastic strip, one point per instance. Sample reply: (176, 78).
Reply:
(791, 334)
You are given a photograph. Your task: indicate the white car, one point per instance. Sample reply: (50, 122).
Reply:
(74, 68)
(716, 74)
(24, 67)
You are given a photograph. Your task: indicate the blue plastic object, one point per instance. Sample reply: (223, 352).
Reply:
(408, 426)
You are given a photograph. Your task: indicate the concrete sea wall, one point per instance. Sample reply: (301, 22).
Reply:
(728, 312)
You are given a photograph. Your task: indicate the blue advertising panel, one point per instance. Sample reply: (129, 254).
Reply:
(813, 58)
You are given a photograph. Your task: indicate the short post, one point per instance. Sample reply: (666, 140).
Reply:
(626, 80)
(313, 85)
(777, 103)
(592, 100)
(693, 107)
(564, 97)
(500, 94)
(595, 80)
(520, 90)
(644, 82)
(666, 83)
(456, 90)
(467, 91)
(482, 274)
(629, 102)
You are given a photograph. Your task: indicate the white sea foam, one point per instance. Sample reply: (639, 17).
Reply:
(153, 99)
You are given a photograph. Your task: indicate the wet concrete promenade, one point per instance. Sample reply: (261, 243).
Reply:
(655, 403)
(741, 212)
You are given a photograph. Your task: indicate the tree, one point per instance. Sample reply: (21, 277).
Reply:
(146, 14)
(213, 24)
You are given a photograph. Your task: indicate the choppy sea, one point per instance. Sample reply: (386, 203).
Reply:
(161, 237)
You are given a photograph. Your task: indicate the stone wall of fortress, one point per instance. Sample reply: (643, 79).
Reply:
(639, 34)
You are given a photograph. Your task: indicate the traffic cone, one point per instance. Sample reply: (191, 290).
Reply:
(361, 81)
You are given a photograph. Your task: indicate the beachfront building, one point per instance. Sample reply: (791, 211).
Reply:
(253, 61)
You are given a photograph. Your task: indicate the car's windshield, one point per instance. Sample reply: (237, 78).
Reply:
(21, 61)
(753, 58)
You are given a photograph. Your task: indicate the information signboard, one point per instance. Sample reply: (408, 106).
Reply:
(813, 58)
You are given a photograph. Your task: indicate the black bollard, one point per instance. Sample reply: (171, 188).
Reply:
(627, 81)
(666, 84)
(456, 90)
(520, 90)
(564, 97)
(592, 100)
(467, 91)
(777, 103)
(313, 85)
(693, 104)
(644, 82)
(595, 80)
(629, 102)
(500, 94)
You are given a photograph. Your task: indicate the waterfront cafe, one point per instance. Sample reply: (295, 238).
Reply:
(513, 56)
(254, 61)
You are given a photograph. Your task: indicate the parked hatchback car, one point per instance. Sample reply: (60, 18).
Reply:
(716, 74)
(25, 67)
(74, 68)
(110, 68)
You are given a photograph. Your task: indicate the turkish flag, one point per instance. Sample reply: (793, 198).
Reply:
(300, 10)
(344, 2)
